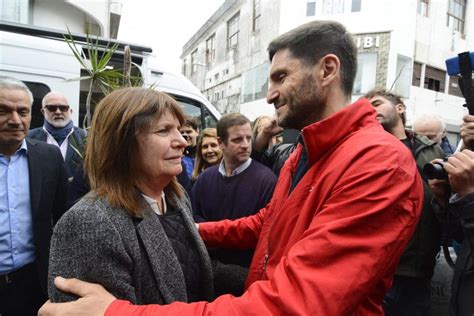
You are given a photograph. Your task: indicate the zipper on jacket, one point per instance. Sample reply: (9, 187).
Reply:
(265, 260)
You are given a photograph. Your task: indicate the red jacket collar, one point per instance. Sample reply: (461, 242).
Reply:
(321, 136)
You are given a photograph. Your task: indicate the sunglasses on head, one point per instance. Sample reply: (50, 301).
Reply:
(53, 107)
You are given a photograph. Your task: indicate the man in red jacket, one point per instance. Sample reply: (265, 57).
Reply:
(346, 203)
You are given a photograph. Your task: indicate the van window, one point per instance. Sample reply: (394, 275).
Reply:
(198, 111)
(39, 90)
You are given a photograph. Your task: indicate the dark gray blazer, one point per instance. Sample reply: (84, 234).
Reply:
(130, 256)
(77, 139)
(48, 191)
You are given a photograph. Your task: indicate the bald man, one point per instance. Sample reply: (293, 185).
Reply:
(58, 130)
(433, 127)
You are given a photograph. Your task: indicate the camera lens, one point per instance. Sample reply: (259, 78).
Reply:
(434, 171)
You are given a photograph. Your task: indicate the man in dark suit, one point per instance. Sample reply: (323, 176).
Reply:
(59, 130)
(32, 198)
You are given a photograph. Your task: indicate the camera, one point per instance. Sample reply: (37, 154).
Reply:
(463, 65)
(434, 170)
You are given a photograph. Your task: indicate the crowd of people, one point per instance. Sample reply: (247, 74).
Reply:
(146, 214)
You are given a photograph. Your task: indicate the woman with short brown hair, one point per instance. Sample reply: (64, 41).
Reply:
(133, 233)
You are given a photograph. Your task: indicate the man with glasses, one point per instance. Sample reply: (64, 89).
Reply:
(58, 129)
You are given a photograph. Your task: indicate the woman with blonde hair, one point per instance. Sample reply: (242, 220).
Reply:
(134, 232)
(208, 152)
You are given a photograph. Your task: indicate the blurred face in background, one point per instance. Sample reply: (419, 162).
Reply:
(210, 150)
(433, 130)
(190, 134)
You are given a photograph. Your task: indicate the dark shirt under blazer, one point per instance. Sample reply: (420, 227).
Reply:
(130, 256)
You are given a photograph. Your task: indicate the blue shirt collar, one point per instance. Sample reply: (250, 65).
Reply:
(23, 149)
(237, 170)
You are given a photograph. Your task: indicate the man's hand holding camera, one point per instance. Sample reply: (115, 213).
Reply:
(460, 169)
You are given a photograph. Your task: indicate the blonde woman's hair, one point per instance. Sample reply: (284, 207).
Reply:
(200, 164)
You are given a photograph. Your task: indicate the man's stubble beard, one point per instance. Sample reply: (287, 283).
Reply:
(303, 106)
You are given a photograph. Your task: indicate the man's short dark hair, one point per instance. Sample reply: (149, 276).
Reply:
(312, 41)
(191, 122)
(227, 121)
(390, 96)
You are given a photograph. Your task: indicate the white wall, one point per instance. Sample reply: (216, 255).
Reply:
(58, 15)
(427, 101)
(254, 109)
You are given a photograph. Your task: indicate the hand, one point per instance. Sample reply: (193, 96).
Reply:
(467, 131)
(94, 299)
(460, 169)
(441, 191)
(271, 128)
(267, 131)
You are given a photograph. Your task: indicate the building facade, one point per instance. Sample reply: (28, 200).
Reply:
(100, 18)
(402, 46)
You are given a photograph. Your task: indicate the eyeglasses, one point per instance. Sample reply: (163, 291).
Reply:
(53, 107)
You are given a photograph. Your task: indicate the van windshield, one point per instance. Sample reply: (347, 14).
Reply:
(197, 110)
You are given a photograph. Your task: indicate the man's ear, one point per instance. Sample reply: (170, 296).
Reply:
(329, 69)
(221, 143)
(42, 111)
(400, 108)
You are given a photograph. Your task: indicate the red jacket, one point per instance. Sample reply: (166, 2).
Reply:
(331, 246)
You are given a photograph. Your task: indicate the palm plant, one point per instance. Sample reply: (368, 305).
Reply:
(96, 64)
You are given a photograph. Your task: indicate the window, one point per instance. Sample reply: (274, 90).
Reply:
(17, 11)
(310, 7)
(423, 7)
(194, 64)
(356, 4)
(402, 81)
(257, 14)
(416, 77)
(233, 32)
(255, 83)
(366, 73)
(434, 79)
(210, 50)
(196, 110)
(184, 66)
(454, 88)
(456, 15)
(331, 7)
(38, 90)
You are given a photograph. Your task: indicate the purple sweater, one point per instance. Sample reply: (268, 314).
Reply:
(216, 197)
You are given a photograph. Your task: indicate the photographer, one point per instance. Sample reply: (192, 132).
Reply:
(459, 211)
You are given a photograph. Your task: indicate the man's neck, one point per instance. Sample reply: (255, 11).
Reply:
(230, 167)
(399, 131)
(9, 150)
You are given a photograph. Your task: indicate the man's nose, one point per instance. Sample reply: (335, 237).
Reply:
(272, 94)
(14, 118)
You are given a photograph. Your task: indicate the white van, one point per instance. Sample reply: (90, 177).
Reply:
(41, 58)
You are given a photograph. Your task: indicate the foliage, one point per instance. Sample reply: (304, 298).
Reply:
(102, 76)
